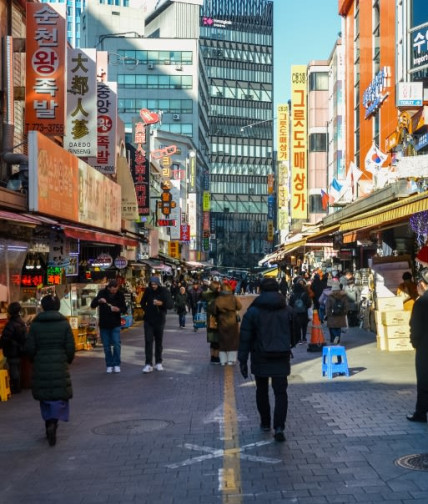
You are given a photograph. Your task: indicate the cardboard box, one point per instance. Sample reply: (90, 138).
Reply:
(399, 345)
(381, 342)
(393, 303)
(378, 316)
(395, 317)
(399, 331)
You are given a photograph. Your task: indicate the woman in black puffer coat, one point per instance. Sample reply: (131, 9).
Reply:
(50, 346)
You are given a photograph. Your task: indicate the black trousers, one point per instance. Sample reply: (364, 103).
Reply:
(14, 364)
(153, 333)
(421, 384)
(279, 386)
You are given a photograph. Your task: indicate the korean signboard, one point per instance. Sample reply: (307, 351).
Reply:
(140, 167)
(376, 93)
(298, 161)
(282, 132)
(419, 48)
(410, 94)
(106, 128)
(65, 187)
(81, 129)
(191, 188)
(45, 70)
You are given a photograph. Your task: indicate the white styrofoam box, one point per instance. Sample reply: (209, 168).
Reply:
(394, 303)
(395, 317)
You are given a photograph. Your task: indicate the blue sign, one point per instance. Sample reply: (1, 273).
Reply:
(422, 142)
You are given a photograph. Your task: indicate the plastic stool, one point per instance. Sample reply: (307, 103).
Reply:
(4, 385)
(331, 366)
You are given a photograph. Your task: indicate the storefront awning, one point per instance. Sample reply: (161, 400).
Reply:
(22, 219)
(272, 273)
(97, 236)
(157, 265)
(395, 212)
(328, 231)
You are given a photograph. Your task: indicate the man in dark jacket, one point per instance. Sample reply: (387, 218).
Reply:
(419, 340)
(154, 303)
(111, 304)
(267, 334)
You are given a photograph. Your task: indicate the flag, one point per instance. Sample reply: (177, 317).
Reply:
(374, 159)
(324, 200)
(335, 189)
(356, 175)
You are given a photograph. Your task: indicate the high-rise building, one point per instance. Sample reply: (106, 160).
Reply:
(237, 45)
(74, 9)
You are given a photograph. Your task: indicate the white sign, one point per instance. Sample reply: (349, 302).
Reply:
(81, 126)
(105, 161)
(410, 94)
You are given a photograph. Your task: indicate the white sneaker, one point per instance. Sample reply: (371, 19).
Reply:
(116, 369)
(109, 370)
(147, 368)
(159, 367)
(336, 340)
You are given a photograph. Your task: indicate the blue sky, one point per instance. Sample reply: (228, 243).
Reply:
(304, 30)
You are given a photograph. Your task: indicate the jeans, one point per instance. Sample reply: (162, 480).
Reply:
(182, 319)
(111, 338)
(279, 385)
(335, 332)
(153, 333)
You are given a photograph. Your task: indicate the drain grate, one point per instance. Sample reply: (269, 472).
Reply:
(130, 427)
(417, 462)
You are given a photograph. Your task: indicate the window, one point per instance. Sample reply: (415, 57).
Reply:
(315, 204)
(419, 13)
(318, 81)
(318, 142)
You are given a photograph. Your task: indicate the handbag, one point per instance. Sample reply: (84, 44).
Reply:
(212, 322)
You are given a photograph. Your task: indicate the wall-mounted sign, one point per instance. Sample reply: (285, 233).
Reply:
(121, 262)
(167, 222)
(410, 94)
(376, 93)
(103, 261)
(419, 50)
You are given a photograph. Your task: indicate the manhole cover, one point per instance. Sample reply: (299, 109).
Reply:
(418, 462)
(130, 427)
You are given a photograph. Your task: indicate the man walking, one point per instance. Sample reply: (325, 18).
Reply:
(267, 334)
(154, 303)
(419, 340)
(111, 304)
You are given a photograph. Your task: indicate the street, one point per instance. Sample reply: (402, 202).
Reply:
(191, 434)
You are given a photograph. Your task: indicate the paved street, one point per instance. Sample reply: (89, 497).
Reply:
(190, 435)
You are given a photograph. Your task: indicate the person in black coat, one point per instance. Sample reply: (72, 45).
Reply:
(12, 342)
(419, 340)
(50, 346)
(300, 293)
(267, 334)
(111, 304)
(154, 303)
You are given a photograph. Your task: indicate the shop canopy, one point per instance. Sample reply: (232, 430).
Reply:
(92, 235)
(272, 273)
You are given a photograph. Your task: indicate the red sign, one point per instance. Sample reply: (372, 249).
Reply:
(149, 117)
(166, 222)
(185, 233)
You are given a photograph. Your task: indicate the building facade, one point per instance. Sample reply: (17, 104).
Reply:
(236, 38)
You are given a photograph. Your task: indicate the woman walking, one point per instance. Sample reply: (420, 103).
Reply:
(226, 306)
(209, 296)
(50, 346)
(181, 306)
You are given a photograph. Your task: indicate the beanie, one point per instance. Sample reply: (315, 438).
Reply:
(269, 284)
(155, 280)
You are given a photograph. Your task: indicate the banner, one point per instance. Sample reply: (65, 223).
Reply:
(298, 161)
(45, 70)
(81, 126)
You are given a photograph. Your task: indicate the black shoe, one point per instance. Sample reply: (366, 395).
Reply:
(417, 418)
(51, 434)
(279, 435)
(265, 428)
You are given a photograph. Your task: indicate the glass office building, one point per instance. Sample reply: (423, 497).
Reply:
(236, 38)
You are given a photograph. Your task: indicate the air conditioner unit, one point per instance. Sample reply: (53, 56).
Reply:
(150, 66)
(219, 93)
(249, 96)
(179, 67)
(176, 117)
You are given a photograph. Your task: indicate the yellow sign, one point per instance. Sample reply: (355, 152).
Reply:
(206, 201)
(283, 132)
(270, 231)
(174, 249)
(298, 160)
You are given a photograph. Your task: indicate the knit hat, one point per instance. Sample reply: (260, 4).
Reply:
(13, 309)
(155, 280)
(269, 284)
(335, 286)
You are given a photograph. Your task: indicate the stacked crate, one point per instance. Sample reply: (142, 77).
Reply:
(392, 325)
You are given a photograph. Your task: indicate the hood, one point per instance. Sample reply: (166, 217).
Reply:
(49, 316)
(270, 300)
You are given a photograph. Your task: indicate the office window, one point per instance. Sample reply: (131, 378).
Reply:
(318, 81)
(419, 12)
(318, 142)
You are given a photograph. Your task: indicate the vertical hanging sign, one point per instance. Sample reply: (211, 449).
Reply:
(283, 182)
(81, 136)
(299, 166)
(45, 70)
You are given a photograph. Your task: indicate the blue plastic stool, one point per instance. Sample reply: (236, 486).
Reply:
(331, 366)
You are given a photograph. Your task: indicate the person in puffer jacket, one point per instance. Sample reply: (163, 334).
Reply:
(267, 334)
(50, 346)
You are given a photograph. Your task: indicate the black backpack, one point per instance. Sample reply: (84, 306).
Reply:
(300, 305)
(338, 307)
(270, 344)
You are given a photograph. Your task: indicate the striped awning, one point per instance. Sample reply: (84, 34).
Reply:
(394, 212)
